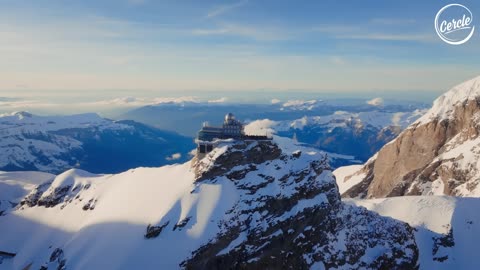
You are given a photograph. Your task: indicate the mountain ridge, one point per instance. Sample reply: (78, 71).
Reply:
(87, 141)
(438, 154)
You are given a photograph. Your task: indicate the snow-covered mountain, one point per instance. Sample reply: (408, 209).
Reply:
(359, 135)
(87, 141)
(447, 229)
(437, 154)
(245, 205)
(14, 186)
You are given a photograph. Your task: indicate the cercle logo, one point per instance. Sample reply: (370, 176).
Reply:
(454, 24)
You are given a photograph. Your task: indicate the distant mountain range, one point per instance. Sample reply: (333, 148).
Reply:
(87, 141)
(187, 117)
(351, 132)
(358, 135)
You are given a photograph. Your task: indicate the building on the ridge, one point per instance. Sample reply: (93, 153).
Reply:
(231, 129)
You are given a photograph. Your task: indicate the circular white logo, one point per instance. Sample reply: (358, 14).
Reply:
(454, 24)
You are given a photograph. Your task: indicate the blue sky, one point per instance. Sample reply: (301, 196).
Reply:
(146, 46)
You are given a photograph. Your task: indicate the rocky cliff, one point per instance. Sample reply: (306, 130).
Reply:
(438, 154)
(301, 223)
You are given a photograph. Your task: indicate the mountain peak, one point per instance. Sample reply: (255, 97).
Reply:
(445, 144)
(231, 155)
(19, 115)
(443, 107)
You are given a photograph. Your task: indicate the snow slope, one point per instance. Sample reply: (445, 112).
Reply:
(14, 186)
(244, 204)
(447, 228)
(119, 211)
(345, 177)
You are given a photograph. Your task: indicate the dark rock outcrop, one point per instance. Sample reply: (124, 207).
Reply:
(154, 231)
(303, 224)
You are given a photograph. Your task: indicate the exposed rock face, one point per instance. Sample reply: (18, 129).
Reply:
(438, 154)
(239, 154)
(57, 261)
(301, 224)
(337, 237)
(154, 231)
(62, 190)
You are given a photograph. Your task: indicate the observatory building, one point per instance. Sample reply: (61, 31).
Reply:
(231, 129)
